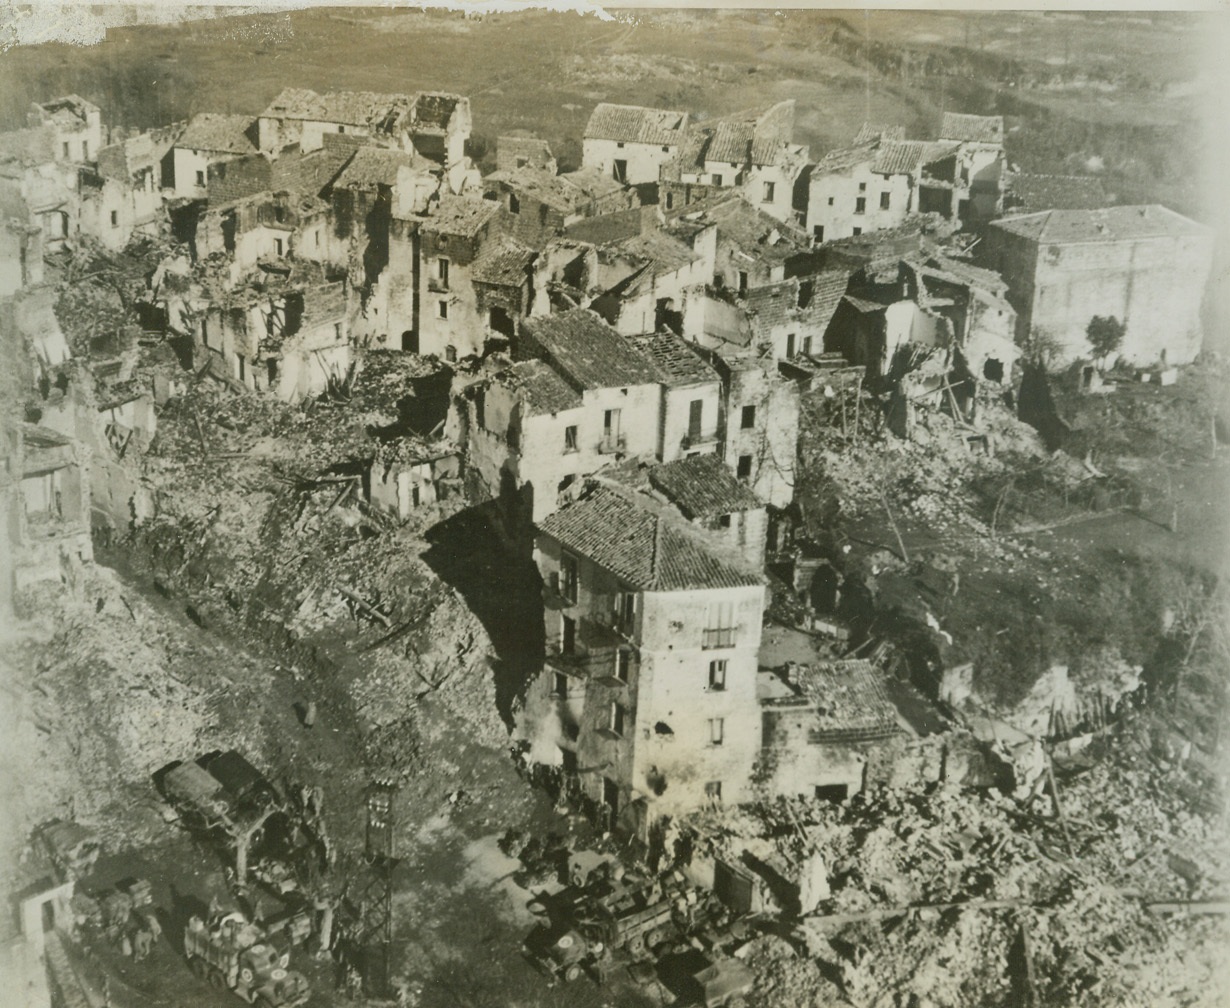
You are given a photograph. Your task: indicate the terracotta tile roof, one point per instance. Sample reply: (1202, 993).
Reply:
(460, 215)
(850, 701)
(376, 166)
(702, 487)
(544, 186)
(520, 152)
(665, 252)
(504, 261)
(643, 546)
(677, 362)
(845, 158)
(864, 306)
(349, 108)
(539, 387)
(589, 353)
(975, 128)
(900, 157)
(878, 131)
(211, 131)
(1108, 224)
(636, 124)
(591, 183)
(604, 229)
(1057, 192)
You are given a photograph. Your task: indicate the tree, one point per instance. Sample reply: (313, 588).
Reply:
(1042, 348)
(1105, 335)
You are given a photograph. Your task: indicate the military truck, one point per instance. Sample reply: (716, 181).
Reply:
(233, 954)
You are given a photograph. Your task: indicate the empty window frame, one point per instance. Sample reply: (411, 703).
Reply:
(747, 417)
(442, 271)
(743, 468)
(441, 309)
(770, 190)
(886, 201)
(569, 579)
(860, 205)
(717, 674)
(717, 731)
(570, 438)
(616, 718)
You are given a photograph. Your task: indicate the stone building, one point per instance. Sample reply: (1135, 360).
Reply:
(76, 125)
(451, 241)
(208, 139)
(752, 153)
(287, 335)
(46, 186)
(1146, 266)
(539, 205)
(977, 183)
(122, 196)
(513, 152)
(631, 143)
(648, 701)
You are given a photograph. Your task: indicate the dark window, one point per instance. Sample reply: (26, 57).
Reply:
(271, 371)
(830, 201)
(66, 153)
(568, 643)
(790, 344)
(885, 200)
(570, 438)
(856, 232)
(860, 205)
(620, 171)
(742, 282)
(115, 218)
(769, 189)
(723, 521)
(442, 309)
(278, 246)
(450, 353)
(514, 204)
(243, 367)
(623, 664)
(442, 271)
(695, 415)
(568, 577)
(744, 467)
(617, 718)
(717, 674)
(862, 187)
(713, 790)
(670, 200)
(341, 129)
(717, 731)
(200, 178)
(832, 792)
(817, 233)
(85, 150)
(807, 345)
(625, 611)
(717, 179)
(561, 684)
(747, 417)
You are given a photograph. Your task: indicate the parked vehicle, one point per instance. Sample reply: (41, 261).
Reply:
(234, 954)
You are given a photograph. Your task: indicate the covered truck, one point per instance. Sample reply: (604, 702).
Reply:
(233, 954)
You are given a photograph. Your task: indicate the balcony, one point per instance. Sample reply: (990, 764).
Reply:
(437, 286)
(718, 637)
(612, 444)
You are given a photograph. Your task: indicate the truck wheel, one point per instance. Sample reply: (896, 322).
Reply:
(216, 980)
(200, 969)
(572, 973)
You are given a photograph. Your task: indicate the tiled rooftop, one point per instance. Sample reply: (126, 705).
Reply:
(636, 124)
(643, 545)
(677, 362)
(212, 131)
(504, 262)
(589, 353)
(878, 131)
(540, 388)
(349, 108)
(373, 166)
(702, 486)
(1109, 224)
(460, 215)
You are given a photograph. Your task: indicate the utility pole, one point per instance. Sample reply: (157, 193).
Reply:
(377, 899)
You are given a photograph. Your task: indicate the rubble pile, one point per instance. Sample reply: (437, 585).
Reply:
(929, 893)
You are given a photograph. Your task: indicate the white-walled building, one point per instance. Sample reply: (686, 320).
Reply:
(77, 125)
(209, 138)
(631, 143)
(653, 630)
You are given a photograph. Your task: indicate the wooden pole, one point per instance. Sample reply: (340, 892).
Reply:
(896, 531)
